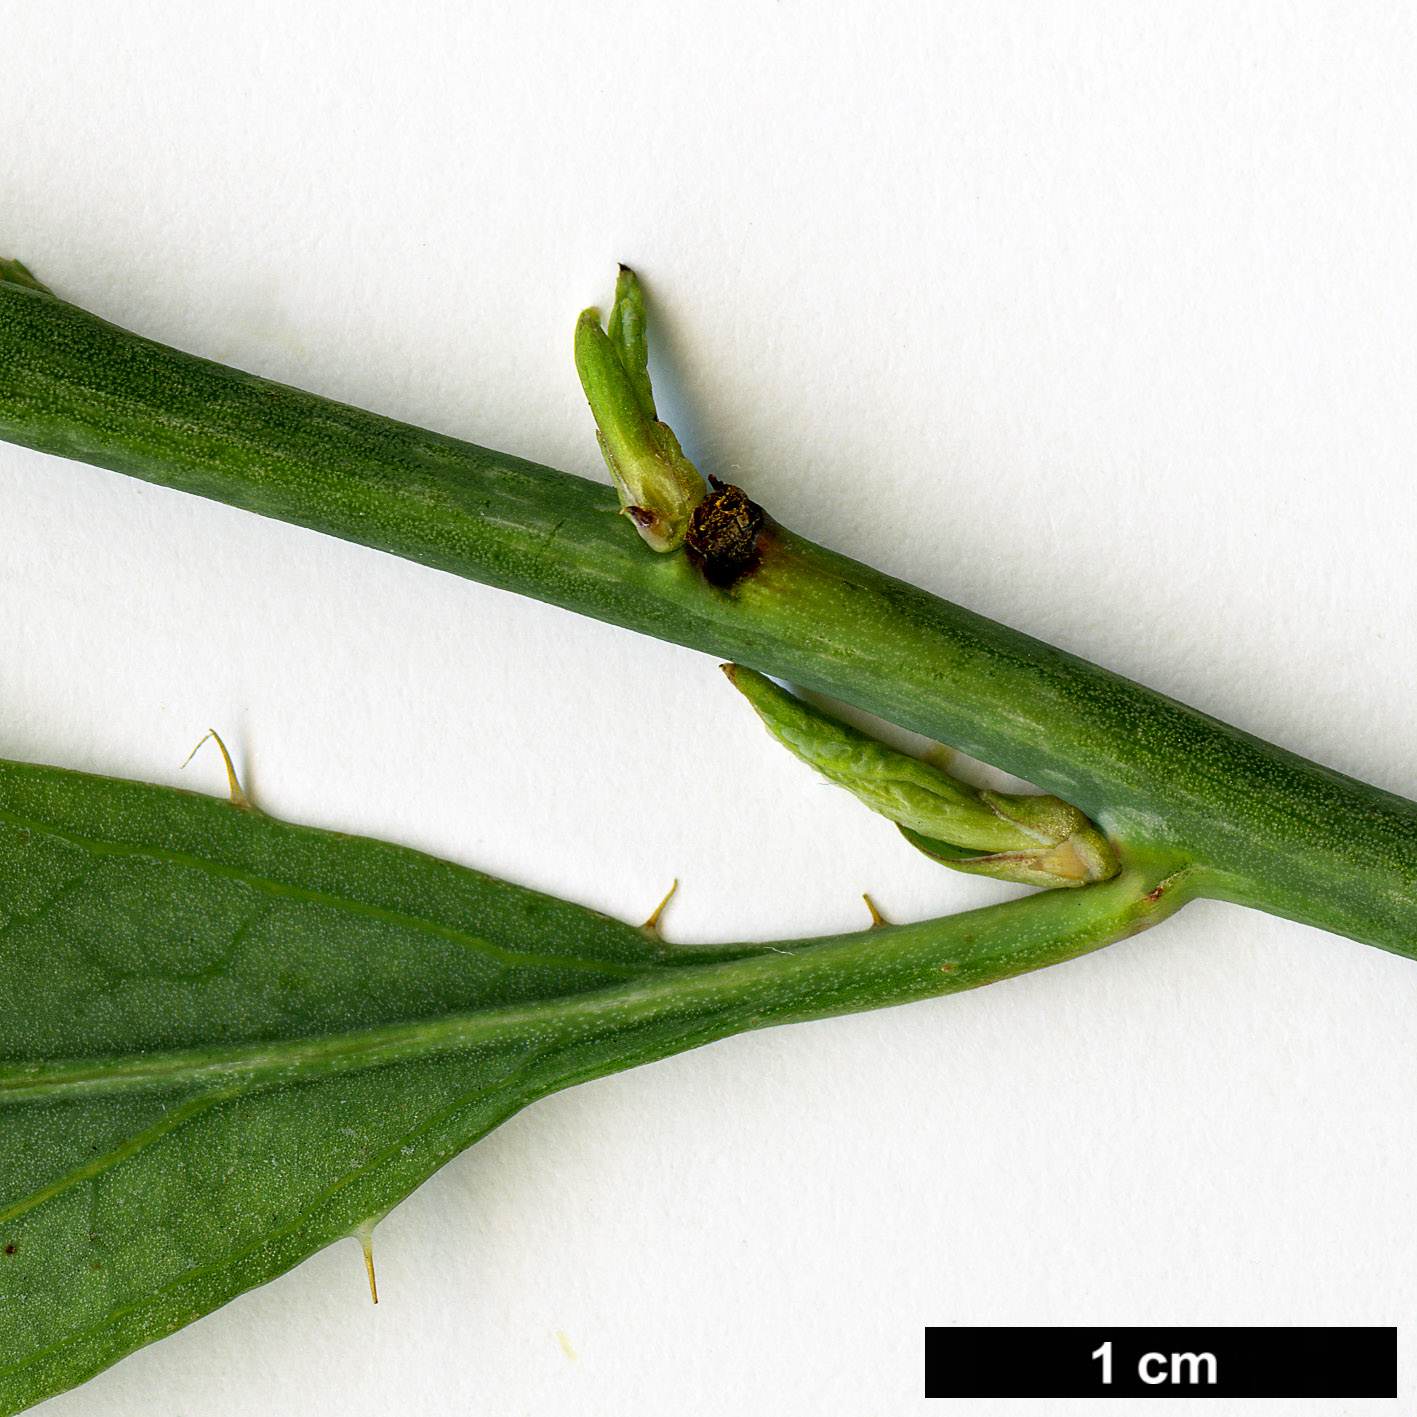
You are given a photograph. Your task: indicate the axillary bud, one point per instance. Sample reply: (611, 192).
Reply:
(659, 487)
(1034, 839)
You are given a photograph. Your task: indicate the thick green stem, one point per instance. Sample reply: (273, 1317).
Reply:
(1167, 783)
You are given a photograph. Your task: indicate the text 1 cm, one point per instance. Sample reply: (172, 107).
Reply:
(1156, 1369)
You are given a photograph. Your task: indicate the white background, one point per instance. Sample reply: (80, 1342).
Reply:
(1101, 320)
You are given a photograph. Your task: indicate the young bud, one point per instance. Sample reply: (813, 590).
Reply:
(1033, 839)
(1081, 857)
(659, 487)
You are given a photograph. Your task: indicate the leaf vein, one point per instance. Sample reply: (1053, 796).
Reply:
(329, 899)
(181, 1115)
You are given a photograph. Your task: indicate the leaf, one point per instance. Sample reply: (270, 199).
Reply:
(227, 1041)
(139, 921)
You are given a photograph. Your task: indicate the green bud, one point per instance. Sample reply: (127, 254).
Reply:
(659, 487)
(1081, 857)
(1033, 839)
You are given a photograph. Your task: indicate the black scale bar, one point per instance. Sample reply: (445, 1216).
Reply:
(1161, 1362)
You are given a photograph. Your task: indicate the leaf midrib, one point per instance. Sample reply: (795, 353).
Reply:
(275, 1062)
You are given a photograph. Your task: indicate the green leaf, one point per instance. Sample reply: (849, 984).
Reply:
(227, 1041)
(17, 273)
(143, 924)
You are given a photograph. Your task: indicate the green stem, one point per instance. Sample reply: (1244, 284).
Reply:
(1167, 783)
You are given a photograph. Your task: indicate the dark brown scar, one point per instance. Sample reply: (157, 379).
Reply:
(722, 541)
